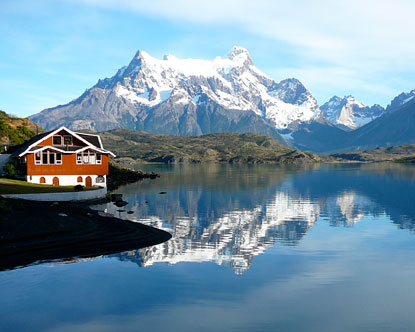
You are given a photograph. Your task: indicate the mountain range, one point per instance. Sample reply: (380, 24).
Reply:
(228, 94)
(347, 113)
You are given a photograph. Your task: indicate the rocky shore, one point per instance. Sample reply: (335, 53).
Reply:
(36, 232)
(119, 175)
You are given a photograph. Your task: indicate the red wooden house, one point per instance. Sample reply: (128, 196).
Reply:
(63, 157)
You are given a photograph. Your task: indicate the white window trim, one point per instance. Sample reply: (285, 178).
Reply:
(38, 162)
(48, 153)
(86, 155)
(58, 162)
(79, 161)
(53, 137)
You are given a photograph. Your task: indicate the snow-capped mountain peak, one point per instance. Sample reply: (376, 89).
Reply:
(232, 82)
(240, 54)
(150, 87)
(348, 113)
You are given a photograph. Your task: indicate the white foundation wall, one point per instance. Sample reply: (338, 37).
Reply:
(67, 180)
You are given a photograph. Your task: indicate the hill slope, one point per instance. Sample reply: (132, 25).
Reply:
(15, 130)
(224, 147)
(395, 127)
(401, 153)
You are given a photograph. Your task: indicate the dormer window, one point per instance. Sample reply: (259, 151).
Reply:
(67, 140)
(57, 140)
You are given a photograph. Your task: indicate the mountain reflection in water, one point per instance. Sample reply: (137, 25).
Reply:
(230, 214)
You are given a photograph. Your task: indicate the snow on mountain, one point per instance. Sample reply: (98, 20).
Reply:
(401, 99)
(232, 82)
(236, 237)
(348, 113)
(180, 91)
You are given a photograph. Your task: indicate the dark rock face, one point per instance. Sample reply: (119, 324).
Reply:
(291, 91)
(401, 99)
(97, 109)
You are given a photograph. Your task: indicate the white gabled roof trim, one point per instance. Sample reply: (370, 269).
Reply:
(94, 148)
(89, 145)
(46, 147)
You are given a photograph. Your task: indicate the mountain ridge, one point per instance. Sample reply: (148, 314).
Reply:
(179, 92)
(348, 113)
(190, 97)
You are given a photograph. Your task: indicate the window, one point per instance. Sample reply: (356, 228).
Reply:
(38, 159)
(88, 157)
(91, 158)
(52, 158)
(58, 158)
(67, 140)
(42, 180)
(48, 158)
(57, 140)
(45, 157)
(79, 179)
(100, 179)
(85, 158)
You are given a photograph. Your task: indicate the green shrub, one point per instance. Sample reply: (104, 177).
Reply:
(9, 169)
(78, 187)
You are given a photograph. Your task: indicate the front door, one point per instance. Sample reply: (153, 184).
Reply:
(88, 181)
(56, 181)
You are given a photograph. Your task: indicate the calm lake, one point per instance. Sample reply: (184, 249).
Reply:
(254, 248)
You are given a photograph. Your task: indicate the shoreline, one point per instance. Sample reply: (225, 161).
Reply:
(39, 232)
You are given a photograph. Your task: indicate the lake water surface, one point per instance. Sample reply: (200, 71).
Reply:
(254, 248)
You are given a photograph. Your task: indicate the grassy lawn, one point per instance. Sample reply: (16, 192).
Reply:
(9, 186)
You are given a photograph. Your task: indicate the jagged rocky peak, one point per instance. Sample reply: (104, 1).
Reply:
(240, 54)
(292, 91)
(173, 96)
(401, 99)
(348, 113)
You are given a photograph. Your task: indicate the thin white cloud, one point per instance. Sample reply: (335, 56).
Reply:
(338, 32)
(357, 45)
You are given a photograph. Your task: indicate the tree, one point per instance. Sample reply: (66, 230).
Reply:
(9, 169)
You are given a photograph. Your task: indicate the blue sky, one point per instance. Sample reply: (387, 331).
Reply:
(51, 51)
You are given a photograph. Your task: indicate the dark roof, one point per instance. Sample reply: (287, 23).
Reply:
(93, 139)
(90, 138)
(22, 147)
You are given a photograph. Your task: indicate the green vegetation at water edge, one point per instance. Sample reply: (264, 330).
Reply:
(222, 147)
(11, 186)
(401, 153)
